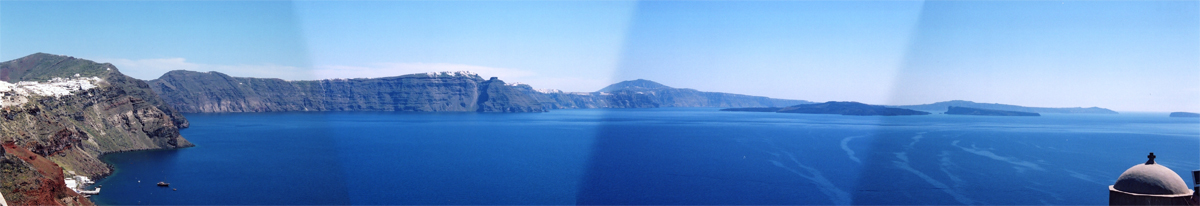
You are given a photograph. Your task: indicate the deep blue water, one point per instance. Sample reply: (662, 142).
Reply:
(648, 156)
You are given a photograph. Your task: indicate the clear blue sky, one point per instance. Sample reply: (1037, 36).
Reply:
(1123, 55)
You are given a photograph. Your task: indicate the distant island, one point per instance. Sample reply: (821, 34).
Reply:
(753, 109)
(643, 93)
(943, 106)
(1184, 114)
(987, 112)
(832, 107)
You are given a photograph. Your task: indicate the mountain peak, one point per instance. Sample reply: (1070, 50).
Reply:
(43, 66)
(187, 74)
(639, 84)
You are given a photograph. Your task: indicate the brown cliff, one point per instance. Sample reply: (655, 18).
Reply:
(73, 131)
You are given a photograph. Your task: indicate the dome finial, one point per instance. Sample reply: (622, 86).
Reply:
(1151, 161)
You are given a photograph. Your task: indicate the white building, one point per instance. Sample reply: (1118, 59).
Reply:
(15, 94)
(77, 183)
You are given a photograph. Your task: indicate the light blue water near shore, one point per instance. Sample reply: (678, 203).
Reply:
(648, 156)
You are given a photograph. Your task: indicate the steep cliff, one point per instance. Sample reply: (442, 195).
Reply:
(649, 94)
(30, 179)
(496, 96)
(192, 92)
(564, 100)
(189, 91)
(72, 130)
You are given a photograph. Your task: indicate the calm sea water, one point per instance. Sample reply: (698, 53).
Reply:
(648, 156)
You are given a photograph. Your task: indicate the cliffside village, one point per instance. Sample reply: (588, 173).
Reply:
(16, 94)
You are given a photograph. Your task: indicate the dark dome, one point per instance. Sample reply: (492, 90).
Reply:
(1151, 179)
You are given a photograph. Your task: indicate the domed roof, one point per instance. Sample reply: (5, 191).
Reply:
(1151, 178)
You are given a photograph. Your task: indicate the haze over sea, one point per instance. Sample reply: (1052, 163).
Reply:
(648, 156)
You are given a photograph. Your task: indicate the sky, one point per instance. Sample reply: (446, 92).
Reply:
(1121, 55)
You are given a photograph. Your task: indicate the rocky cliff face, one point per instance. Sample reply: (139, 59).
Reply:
(496, 96)
(30, 179)
(648, 94)
(189, 91)
(72, 131)
(564, 100)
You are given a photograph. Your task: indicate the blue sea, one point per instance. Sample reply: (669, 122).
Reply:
(678, 156)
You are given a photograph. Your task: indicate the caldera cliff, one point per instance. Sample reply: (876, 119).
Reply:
(195, 92)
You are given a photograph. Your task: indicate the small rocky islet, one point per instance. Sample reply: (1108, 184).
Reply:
(1185, 114)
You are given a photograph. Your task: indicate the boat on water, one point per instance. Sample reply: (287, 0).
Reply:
(87, 193)
(163, 184)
